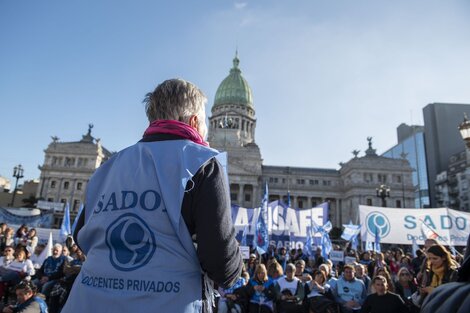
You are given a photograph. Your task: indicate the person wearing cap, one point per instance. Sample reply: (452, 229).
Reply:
(156, 225)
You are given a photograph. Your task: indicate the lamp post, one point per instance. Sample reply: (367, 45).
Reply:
(17, 173)
(383, 192)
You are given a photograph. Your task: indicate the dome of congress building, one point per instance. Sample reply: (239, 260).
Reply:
(234, 88)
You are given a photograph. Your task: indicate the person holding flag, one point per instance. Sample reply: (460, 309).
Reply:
(261, 241)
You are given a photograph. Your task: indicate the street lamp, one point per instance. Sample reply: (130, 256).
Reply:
(383, 192)
(464, 129)
(17, 173)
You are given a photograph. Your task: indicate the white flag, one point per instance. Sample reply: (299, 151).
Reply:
(47, 252)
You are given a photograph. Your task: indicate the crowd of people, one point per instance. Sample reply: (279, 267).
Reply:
(389, 281)
(31, 281)
(278, 281)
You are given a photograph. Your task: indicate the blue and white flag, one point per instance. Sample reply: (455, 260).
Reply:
(288, 199)
(309, 243)
(350, 231)
(354, 242)
(325, 241)
(326, 227)
(75, 221)
(369, 246)
(65, 228)
(377, 240)
(261, 234)
(326, 245)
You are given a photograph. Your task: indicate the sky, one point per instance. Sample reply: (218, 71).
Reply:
(325, 75)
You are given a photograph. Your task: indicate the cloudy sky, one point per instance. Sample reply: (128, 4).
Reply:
(325, 74)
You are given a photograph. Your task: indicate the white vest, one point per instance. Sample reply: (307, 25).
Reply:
(140, 255)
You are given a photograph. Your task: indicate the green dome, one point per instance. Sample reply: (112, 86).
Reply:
(234, 88)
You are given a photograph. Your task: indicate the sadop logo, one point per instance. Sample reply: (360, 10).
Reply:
(378, 221)
(130, 241)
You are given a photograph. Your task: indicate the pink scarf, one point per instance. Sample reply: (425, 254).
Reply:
(173, 127)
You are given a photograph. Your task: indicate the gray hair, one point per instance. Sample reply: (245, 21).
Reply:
(174, 99)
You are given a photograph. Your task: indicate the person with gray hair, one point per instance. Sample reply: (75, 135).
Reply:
(51, 271)
(157, 227)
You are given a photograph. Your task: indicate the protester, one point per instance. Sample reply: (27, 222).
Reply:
(361, 273)
(32, 239)
(282, 257)
(36, 256)
(27, 300)
(7, 239)
(382, 271)
(383, 301)
(275, 270)
(349, 291)
(319, 296)
(290, 292)
(51, 271)
(232, 299)
(261, 292)
(18, 269)
(440, 269)
(21, 235)
(300, 272)
(162, 207)
(251, 264)
(452, 297)
(405, 286)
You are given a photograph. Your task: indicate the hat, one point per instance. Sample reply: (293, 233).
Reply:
(253, 256)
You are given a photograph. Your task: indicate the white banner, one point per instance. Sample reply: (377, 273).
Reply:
(336, 256)
(245, 252)
(400, 226)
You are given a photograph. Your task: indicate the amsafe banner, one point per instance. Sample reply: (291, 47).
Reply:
(287, 227)
(401, 226)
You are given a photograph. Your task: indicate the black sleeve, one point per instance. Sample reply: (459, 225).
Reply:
(207, 213)
(366, 307)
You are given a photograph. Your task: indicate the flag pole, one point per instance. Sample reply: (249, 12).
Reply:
(440, 237)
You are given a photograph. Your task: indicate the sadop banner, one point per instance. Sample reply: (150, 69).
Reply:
(287, 227)
(402, 226)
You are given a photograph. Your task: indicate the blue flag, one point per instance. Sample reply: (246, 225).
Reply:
(309, 243)
(261, 241)
(369, 246)
(377, 240)
(65, 227)
(354, 242)
(350, 230)
(288, 199)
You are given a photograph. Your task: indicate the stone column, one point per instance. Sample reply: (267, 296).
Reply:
(241, 197)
